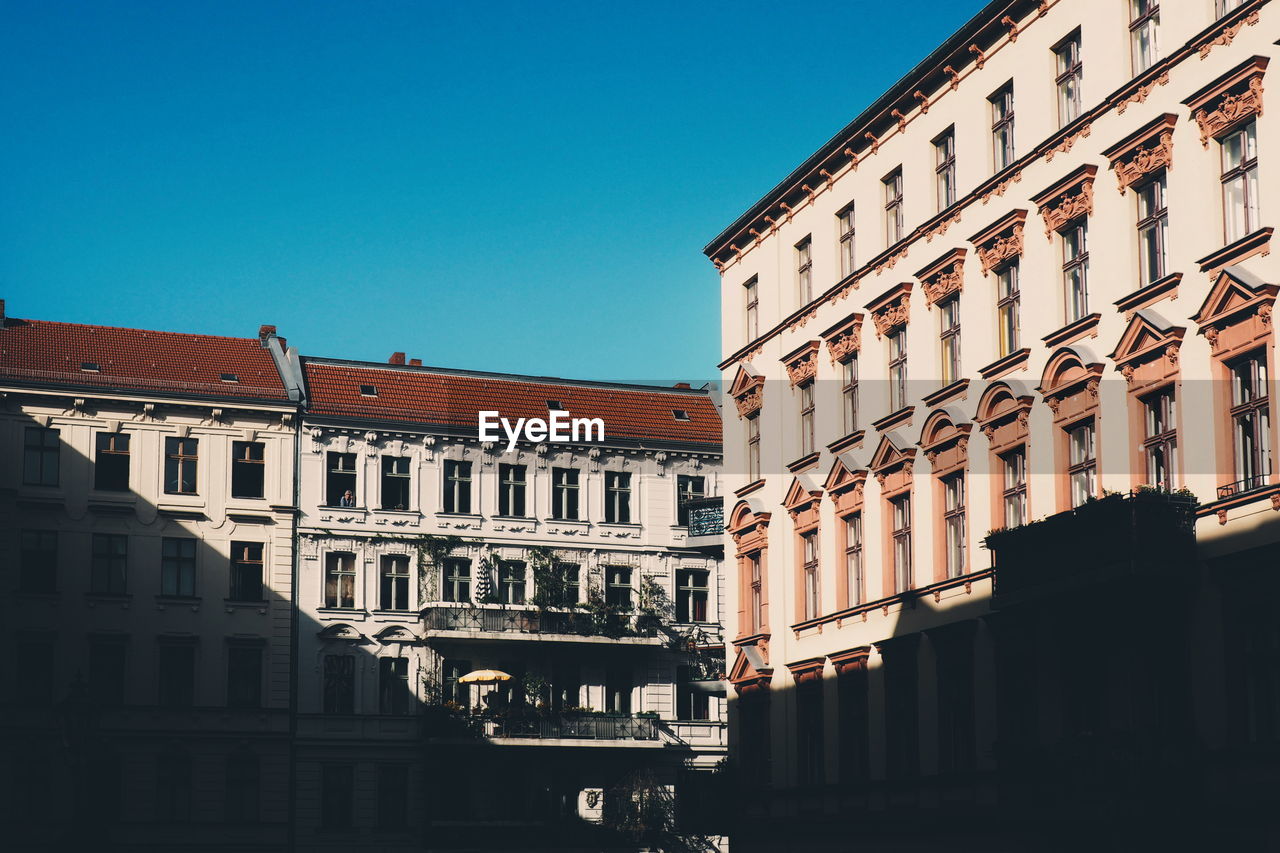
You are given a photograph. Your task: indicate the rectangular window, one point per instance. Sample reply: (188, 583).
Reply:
(393, 797)
(110, 563)
(805, 392)
(691, 595)
(511, 490)
(39, 566)
(1075, 271)
(1144, 30)
(949, 338)
(452, 690)
(1153, 223)
(944, 155)
(900, 508)
(246, 571)
(756, 575)
(457, 580)
(688, 488)
(180, 458)
(34, 671)
(339, 684)
(248, 469)
(244, 675)
(395, 482)
(40, 461)
(809, 725)
(337, 785)
(457, 486)
(176, 668)
(617, 497)
(853, 727)
(243, 788)
(1082, 463)
(853, 557)
(844, 221)
(893, 207)
(511, 580)
(340, 485)
(849, 394)
(178, 567)
(564, 493)
(953, 523)
(618, 587)
(173, 786)
(753, 447)
(1240, 181)
(1160, 441)
(111, 466)
(1070, 72)
(751, 303)
(618, 691)
(1002, 127)
(570, 583)
(1013, 467)
(107, 658)
(340, 580)
(393, 686)
(804, 270)
(691, 704)
(1008, 301)
(897, 369)
(1251, 421)
(394, 586)
(809, 565)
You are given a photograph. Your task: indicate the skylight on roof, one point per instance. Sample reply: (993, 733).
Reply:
(90, 366)
(229, 377)
(680, 414)
(368, 391)
(555, 406)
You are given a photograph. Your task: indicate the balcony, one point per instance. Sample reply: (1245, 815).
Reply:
(585, 729)
(1103, 541)
(511, 623)
(706, 523)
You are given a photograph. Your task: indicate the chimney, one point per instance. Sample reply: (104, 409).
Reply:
(396, 358)
(415, 362)
(683, 385)
(2, 317)
(265, 332)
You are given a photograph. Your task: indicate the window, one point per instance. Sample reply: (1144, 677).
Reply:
(853, 557)
(1144, 30)
(457, 580)
(953, 523)
(457, 486)
(110, 561)
(809, 565)
(809, 726)
(569, 584)
(34, 670)
(1251, 421)
(949, 338)
(1007, 309)
(1013, 467)
(394, 587)
(805, 392)
(617, 591)
(944, 155)
(753, 447)
(897, 369)
(107, 670)
(395, 482)
(511, 579)
(246, 571)
(337, 783)
(368, 391)
(1160, 441)
(1075, 271)
(176, 668)
(173, 786)
(393, 797)
(844, 220)
(688, 488)
(893, 207)
(617, 497)
(511, 492)
(244, 675)
(178, 567)
(1153, 223)
(41, 449)
(393, 686)
(451, 690)
(617, 691)
(757, 592)
(901, 516)
(804, 270)
(243, 788)
(247, 469)
(1082, 464)
(1225, 6)
(1002, 127)
(1070, 72)
(564, 493)
(340, 580)
(111, 467)
(1239, 182)
(340, 486)
(849, 394)
(339, 684)
(39, 567)
(180, 459)
(691, 595)
(751, 297)
(691, 703)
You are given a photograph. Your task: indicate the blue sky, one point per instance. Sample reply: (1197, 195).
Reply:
(504, 186)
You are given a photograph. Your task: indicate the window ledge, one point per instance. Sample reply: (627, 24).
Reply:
(853, 439)
(108, 598)
(349, 613)
(804, 463)
(753, 486)
(407, 513)
(1161, 288)
(179, 599)
(946, 393)
(471, 515)
(1015, 360)
(578, 522)
(112, 496)
(627, 525)
(1085, 327)
(902, 417)
(514, 518)
(1257, 243)
(244, 602)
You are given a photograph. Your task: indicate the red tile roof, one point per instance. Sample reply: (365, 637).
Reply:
(38, 351)
(421, 395)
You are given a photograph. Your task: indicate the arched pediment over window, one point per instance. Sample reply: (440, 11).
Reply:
(396, 634)
(944, 437)
(1067, 368)
(749, 526)
(342, 632)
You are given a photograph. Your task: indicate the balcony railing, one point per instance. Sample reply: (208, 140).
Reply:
(575, 728)
(500, 620)
(1239, 487)
(706, 516)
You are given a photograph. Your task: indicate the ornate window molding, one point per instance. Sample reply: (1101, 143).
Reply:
(846, 484)
(1000, 241)
(844, 338)
(943, 277)
(892, 309)
(1070, 385)
(802, 363)
(747, 392)
(1147, 352)
(1147, 150)
(892, 464)
(807, 672)
(1237, 313)
(1231, 99)
(1067, 200)
(944, 438)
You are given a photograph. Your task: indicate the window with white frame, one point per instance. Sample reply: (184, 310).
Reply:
(949, 338)
(1153, 224)
(897, 369)
(751, 302)
(1160, 438)
(178, 567)
(41, 450)
(900, 516)
(845, 225)
(944, 155)
(804, 270)
(809, 565)
(1082, 462)
(512, 486)
(457, 487)
(1251, 421)
(893, 222)
(804, 392)
(617, 497)
(1013, 467)
(1144, 32)
(395, 482)
(1070, 71)
(564, 493)
(953, 522)
(393, 591)
(849, 394)
(1008, 309)
(1240, 181)
(340, 580)
(853, 557)
(1075, 270)
(1002, 127)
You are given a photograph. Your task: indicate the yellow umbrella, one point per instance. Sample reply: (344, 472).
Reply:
(484, 676)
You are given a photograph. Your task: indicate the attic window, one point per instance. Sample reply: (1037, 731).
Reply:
(680, 414)
(229, 377)
(554, 406)
(368, 391)
(90, 366)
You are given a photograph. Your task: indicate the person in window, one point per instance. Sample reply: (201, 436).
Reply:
(348, 498)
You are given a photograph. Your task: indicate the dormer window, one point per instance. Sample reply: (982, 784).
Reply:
(680, 414)
(229, 377)
(90, 366)
(368, 391)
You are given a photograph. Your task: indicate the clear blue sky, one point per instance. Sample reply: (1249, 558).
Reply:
(503, 186)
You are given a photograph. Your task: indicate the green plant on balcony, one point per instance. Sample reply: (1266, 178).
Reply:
(431, 553)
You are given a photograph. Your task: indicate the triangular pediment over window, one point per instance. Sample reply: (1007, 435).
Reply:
(743, 381)
(1235, 291)
(1147, 334)
(845, 474)
(750, 670)
(894, 449)
(802, 493)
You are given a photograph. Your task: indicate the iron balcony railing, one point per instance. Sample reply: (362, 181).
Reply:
(706, 516)
(1239, 487)
(497, 620)
(576, 728)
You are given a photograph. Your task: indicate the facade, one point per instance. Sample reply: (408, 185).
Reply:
(1055, 229)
